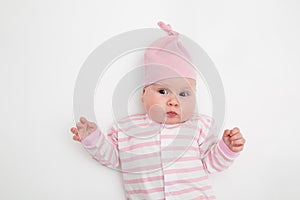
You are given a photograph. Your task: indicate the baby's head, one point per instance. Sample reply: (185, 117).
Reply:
(170, 80)
(170, 101)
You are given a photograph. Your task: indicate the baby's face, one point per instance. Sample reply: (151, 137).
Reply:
(170, 101)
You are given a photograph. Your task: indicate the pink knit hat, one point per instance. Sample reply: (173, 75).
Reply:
(167, 58)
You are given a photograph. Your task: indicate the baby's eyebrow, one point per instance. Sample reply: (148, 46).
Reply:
(186, 88)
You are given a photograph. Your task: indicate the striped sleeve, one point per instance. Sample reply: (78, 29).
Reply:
(215, 154)
(102, 149)
(219, 158)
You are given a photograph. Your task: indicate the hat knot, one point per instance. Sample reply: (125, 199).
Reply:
(167, 28)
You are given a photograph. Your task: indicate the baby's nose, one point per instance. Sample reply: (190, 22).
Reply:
(173, 102)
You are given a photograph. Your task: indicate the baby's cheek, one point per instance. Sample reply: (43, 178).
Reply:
(189, 108)
(156, 112)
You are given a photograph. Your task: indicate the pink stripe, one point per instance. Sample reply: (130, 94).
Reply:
(183, 170)
(181, 159)
(147, 133)
(202, 134)
(113, 130)
(153, 190)
(141, 180)
(218, 161)
(176, 148)
(142, 169)
(187, 190)
(137, 135)
(211, 162)
(156, 154)
(204, 123)
(113, 138)
(223, 156)
(205, 198)
(141, 156)
(191, 180)
(188, 137)
(145, 144)
(125, 139)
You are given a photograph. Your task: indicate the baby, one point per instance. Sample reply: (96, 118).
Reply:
(168, 152)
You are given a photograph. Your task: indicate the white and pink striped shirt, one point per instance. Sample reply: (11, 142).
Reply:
(162, 161)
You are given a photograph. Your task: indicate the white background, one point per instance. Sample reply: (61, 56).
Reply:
(255, 46)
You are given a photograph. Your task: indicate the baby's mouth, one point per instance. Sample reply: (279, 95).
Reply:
(171, 114)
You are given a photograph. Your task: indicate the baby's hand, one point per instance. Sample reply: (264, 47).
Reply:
(234, 139)
(83, 129)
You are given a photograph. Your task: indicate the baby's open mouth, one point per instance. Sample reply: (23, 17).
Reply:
(171, 114)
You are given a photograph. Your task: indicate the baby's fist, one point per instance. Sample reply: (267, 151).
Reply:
(234, 139)
(83, 129)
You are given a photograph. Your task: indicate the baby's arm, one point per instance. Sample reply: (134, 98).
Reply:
(95, 143)
(218, 155)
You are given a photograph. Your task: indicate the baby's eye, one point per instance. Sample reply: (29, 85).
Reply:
(163, 91)
(184, 94)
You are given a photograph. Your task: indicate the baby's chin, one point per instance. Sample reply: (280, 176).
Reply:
(174, 121)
